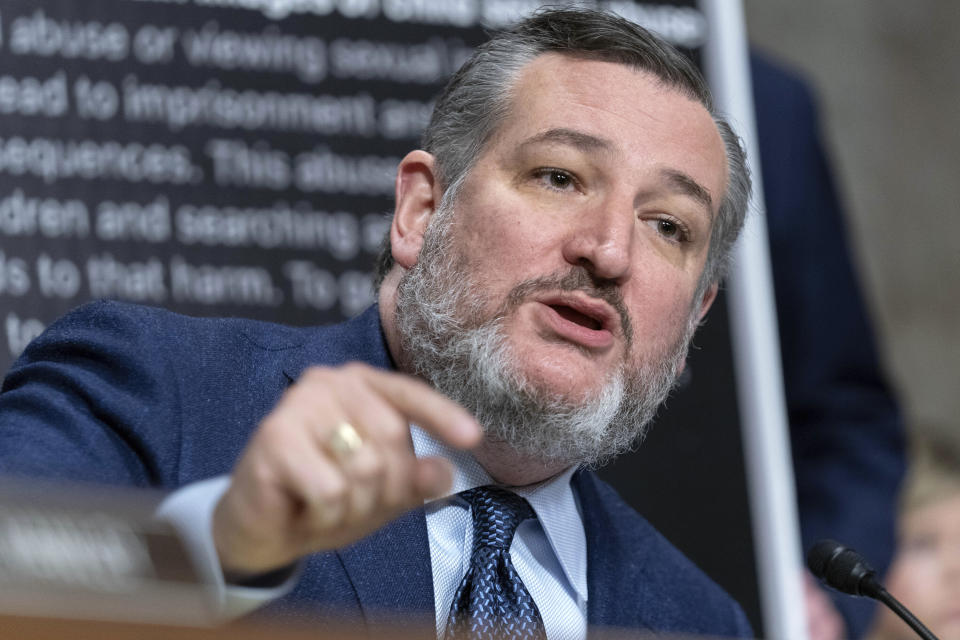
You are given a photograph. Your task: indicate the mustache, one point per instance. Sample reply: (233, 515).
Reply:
(574, 279)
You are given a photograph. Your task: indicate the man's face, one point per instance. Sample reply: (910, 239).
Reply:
(597, 171)
(553, 298)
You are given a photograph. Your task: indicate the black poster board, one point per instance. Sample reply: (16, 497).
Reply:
(236, 157)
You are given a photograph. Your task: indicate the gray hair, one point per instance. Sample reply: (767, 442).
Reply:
(478, 97)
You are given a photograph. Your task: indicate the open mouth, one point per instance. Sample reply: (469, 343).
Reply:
(579, 319)
(572, 315)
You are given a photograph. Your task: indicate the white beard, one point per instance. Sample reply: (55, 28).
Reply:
(449, 337)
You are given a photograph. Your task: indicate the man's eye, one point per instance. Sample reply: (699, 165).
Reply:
(556, 179)
(669, 229)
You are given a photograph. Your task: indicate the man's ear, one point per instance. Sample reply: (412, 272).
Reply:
(417, 195)
(707, 301)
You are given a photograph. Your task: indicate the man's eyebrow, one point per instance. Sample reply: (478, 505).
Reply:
(684, 184)
(677, 180)
(572, 137)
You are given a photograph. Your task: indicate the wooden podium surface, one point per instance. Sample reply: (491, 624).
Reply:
(31, 628)
(93, 563)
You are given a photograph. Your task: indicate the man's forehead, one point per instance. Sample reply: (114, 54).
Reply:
(554, 68)
(548, 85)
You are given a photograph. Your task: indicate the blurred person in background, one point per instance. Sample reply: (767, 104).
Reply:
(925, 575)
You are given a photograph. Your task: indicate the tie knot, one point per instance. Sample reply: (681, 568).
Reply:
(496, 515)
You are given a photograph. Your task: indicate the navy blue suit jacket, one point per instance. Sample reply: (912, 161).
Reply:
(122, 394)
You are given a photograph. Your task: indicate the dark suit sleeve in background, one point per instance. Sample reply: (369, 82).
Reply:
(845, 425)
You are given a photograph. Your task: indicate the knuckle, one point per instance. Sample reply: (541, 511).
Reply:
(322, 518)
(273, 431)
(311, 377)
(271, 424)
(355, 368)
(394, 432)
(261, 473)
(332, 491)
(402, 392)
(314, 379)
(418, 387)
(294, 397)
(368, 465)
(315, 372)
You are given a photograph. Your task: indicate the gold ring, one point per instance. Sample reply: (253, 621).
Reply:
(344, 440)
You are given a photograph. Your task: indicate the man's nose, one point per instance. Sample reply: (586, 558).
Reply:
(603, 240)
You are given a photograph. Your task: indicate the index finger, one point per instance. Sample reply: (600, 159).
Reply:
(427, 407)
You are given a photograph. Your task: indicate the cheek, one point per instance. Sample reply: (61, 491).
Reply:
(661, 299)
(500, 246)
(913, 580)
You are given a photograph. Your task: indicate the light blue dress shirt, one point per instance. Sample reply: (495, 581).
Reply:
(549, 553)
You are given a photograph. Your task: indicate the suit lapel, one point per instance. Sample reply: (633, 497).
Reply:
(391, 571)
(615, 585)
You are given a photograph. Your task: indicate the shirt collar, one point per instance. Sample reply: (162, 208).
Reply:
(552, 500)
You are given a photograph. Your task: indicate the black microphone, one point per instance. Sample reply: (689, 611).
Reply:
(845, 570)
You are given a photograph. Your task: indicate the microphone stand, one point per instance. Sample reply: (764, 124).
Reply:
(846, 571)
(884, 596)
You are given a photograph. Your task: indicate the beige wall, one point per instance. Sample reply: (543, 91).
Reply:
(888, 77)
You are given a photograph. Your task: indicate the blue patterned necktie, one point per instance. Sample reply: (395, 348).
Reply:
(491, 601)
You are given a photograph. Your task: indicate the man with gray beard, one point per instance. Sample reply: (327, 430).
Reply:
(448, 340)
(553, 246)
